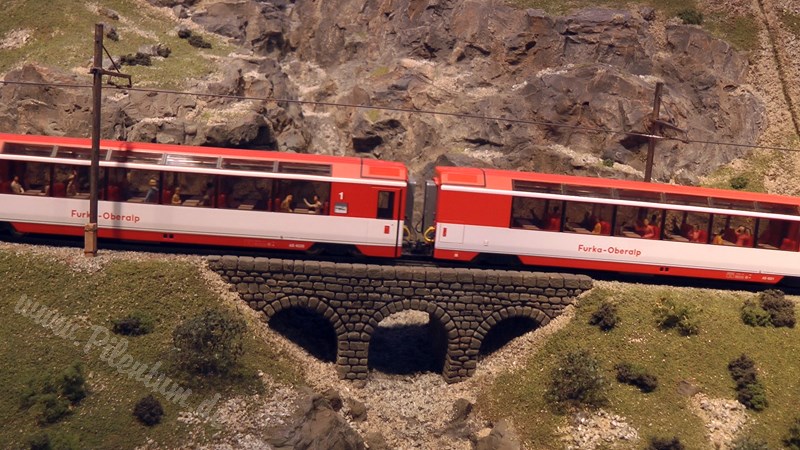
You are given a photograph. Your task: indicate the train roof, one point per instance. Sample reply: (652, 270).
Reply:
(170, 155)
(506, 180)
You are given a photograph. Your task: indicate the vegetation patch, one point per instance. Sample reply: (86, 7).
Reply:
(577, 381)
(749, 391)
(660, 443)
(636, 376)
(680, 316)
(605, 317)
(209, 343)
(148, 410)
(134, 324)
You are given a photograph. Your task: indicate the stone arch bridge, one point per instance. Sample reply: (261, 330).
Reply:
(354, 298)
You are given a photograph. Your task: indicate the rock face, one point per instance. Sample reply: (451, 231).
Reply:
(315, 425)
(523, 90)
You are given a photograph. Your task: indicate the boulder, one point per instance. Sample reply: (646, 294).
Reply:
(502, 437)
(315, 425)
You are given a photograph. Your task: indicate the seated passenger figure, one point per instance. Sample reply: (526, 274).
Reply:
(553, 220)
(286, 204)
(648, 232)
(717, 240)
(597, 228)
(152, 192)
(16, 186)
(72, 183)
(315, 207)
(744, 237)
(176, 197)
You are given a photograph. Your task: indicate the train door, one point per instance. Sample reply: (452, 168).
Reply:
(389, 205)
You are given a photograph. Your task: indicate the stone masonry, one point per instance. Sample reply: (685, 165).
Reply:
(354, 298)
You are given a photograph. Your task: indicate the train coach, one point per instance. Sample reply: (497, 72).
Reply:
(204, 196)
(615, 225)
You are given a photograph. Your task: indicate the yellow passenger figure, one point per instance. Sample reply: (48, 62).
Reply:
(286, 204)
(176, 197)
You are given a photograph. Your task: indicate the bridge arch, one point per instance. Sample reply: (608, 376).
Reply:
(322, 312)
(527, 312)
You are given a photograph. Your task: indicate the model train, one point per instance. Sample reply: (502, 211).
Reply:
(314, 203)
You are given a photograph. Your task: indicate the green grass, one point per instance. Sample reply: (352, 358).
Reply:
(166, 291)
(755, 168)
(62, 35)
(701, 360)
(740, 32)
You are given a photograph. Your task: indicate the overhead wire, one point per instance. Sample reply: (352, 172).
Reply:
(411, 111)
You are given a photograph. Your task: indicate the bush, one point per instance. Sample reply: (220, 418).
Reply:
(39, 441)
(754, 315)
(148, 410)
(749, 391)
(690, 16)
(738, 182)
(210, 343)
(792, 440)
(634, 375)
(53, 408)
(748, 443)
(577, 380)
(136, 59)
(198, 41)
(73, 383)
(42, 441)
(605, 317)
(135, 324)
(670, 314)
(781, 310)
(665, 444)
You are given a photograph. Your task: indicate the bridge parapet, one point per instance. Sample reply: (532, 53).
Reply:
(354, 298)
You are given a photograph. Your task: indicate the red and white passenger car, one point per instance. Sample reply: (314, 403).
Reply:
(625, 226)
(203, 195)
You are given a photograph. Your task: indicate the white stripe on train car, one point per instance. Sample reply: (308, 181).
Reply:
(201, 221)
(577, 246)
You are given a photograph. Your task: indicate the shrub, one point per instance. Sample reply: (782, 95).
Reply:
(748, 443)
(148, 410)
(135, 324)
(753, 396)
(670, 314)
(136, 59)
(198, 41)
(577, 380)
(792, 440)
(754, 315)
(690, 16)
(53, 408)
(605, 317)
(210, 343)
(73, 383)
(749, 391)
(665, 444)
(738, 182)
(39, 441)
(42, 441)
(781, 310)
(636, 376)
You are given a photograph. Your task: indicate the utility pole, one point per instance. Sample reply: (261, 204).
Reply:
(654, 129)
(90, 230)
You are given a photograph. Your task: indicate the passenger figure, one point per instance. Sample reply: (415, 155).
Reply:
(598, 227)
(648, 232)
(744, 237)
(286, 204)
(315, 207)
(16, 186)
(717, 240)
(554, 220)
(176, 197)
(72, 183)
(152, 192)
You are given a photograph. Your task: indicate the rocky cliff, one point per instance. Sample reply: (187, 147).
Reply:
(518, 89)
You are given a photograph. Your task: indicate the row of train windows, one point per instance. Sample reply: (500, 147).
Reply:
(170, 188)
(654, 223)
(179, 160)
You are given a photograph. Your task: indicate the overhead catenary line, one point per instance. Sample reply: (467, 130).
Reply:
(412, 111)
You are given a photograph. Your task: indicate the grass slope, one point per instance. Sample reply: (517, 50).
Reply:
(62, 35)
(701, 360)
(166, 291)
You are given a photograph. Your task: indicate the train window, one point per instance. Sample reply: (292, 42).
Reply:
(530, 213)
(142, 186)
(588, 218)
(386, 205)
(126, 156)
(70, 181)
(34, 177)
(639, 222)
(689, 200)
(183, 160)
(247, 193)
(640, 196)
(588, 191)
(777, 208)
(78, 153)
(301, 196)
(724, 203)
(30, 150)
(734, 230)
(252, 165)
(685, 226)
(305, 169)
(188, 189)
(535, 186)
(778, 234)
